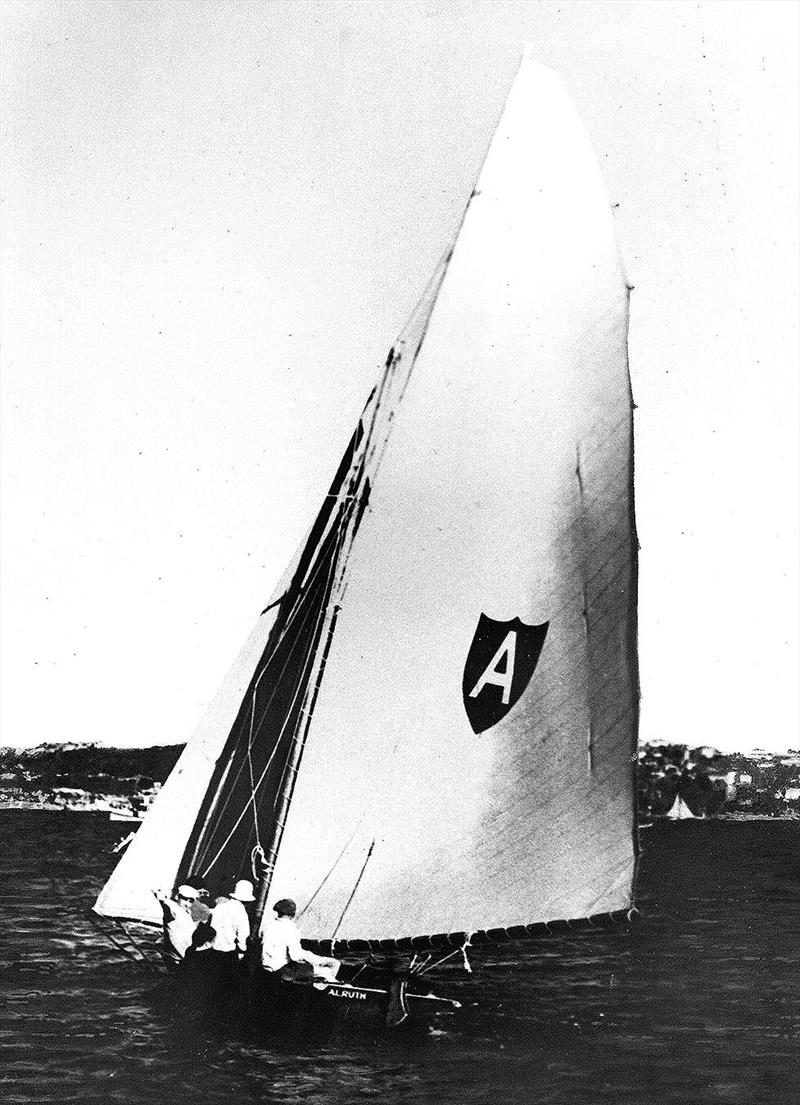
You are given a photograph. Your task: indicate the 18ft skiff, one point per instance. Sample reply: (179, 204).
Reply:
(428, 737)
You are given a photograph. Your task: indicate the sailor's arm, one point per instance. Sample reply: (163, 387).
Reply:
(170, 908)
(242, 931)
(294, 949)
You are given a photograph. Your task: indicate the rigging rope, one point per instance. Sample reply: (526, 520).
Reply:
(250, 769)
(200, 857)
(416, 968)
(301, 686)
(428, 966)
(467, 943)
(352, 892)
(351, 492)
(258, 863)
(340, 523)
(334, 865)
(261, 778)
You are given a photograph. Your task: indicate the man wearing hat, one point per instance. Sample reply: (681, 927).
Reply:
(199, 908)
(230, 921)
(281, 947)
(179, 923)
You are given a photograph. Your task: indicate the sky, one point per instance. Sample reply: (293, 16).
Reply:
(215, 219)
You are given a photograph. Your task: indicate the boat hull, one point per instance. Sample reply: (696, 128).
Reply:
(242, 994)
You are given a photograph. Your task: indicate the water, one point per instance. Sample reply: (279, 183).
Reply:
(700, 1000)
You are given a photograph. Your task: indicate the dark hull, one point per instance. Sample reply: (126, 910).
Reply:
(239, 993)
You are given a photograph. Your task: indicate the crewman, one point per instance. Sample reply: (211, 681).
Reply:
(198, 907)
(281, 947)
(230, 922)
(179, 925)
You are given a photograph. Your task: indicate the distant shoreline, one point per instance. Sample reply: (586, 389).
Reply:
(50, 807)
(118, 781)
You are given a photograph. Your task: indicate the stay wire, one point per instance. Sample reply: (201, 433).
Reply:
(302, 686)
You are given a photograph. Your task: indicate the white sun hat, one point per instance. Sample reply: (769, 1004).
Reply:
(243, 891)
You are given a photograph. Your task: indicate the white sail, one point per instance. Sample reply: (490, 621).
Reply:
(505, 490)
(151, 860)
(679, 811)
(489, 484)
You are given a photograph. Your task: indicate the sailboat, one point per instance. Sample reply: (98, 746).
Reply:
(679, 811)
(427, 740)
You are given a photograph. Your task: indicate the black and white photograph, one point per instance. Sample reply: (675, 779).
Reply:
(400, 480)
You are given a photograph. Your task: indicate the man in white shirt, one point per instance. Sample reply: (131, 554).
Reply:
(179, 923)
(280, 944)
(230, 922)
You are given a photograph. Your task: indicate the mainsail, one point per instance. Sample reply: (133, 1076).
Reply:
(432, 730)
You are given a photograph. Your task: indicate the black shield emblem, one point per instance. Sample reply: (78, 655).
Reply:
(501, 660)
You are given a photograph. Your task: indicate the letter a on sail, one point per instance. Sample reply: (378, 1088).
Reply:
(501, 660)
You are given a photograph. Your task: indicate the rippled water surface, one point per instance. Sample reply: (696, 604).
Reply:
(699, 1001)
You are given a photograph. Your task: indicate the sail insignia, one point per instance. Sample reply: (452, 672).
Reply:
(500, 663)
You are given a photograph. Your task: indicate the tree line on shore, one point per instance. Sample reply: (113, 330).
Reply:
(94, 768)
(709, 782)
